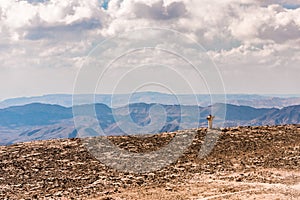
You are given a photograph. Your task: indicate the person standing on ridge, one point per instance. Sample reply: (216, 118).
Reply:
(210, 119)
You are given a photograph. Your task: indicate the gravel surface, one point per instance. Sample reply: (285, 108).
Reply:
(64, 169)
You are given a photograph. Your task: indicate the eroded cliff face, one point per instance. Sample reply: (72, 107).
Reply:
(66, 169)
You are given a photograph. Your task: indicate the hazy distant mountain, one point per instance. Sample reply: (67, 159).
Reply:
(287, 115)
(256, 101)
(43, 121)
(33, 115)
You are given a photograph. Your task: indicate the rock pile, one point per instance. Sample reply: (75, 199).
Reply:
(65, 168)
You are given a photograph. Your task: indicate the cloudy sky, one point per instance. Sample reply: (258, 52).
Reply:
(254, 43)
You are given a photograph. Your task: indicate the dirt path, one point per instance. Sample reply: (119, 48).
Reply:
(211, 187)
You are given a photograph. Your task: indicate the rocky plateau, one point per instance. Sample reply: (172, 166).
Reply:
(259, 162)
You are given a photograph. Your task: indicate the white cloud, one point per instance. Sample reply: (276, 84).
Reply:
(239, 34)
(267, 23)
(18, 18)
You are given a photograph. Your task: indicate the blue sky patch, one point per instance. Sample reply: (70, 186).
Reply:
(104, 4)
(291, 6)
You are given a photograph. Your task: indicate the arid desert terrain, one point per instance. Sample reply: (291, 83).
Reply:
(246, 163)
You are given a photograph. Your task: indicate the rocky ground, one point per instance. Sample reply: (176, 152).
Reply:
(246, 163)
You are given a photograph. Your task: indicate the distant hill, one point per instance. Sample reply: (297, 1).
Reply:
(33, 115)
(43, 121)
(287, 115)
(256, 101)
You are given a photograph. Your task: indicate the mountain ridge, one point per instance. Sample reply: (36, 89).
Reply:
(253, 100)
(42, 121)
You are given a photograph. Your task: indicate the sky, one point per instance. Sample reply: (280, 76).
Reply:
(254, 44)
